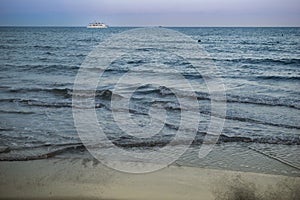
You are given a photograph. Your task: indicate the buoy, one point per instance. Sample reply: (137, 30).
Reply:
(199, 40)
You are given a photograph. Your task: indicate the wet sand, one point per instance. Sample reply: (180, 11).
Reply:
(86, 179)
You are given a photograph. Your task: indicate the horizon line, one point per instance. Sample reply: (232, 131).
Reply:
(162, 26)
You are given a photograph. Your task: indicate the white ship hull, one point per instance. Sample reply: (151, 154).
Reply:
(97, 25)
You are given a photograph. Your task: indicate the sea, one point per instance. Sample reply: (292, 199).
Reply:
(259, 67)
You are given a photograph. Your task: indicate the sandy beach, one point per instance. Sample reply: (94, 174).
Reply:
(86, 179)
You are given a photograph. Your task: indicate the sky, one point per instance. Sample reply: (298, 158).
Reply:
(150, 12)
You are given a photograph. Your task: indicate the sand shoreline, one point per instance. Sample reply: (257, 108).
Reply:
(78, 179)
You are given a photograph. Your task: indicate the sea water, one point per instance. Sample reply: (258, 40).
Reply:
(260, 69)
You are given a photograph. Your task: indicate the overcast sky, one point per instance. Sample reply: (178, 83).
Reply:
(151, 12)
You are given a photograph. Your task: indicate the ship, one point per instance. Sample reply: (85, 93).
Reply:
(97, 25)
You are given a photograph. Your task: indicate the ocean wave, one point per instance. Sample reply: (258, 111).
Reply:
(279, 78)
(51, 150)
(149, 89)
(172, 106)
(6, 129)
(245, 119)
(266, 61)
(46, 67)
(47, 47)
(87, 39)
(257, 100)
(36, 153)
(68, 93)
(201, 137)
(142, 111)
(264, 100)
(17, 112)
(188, 74)
(31, 102)
(7, 46)
(57, 91)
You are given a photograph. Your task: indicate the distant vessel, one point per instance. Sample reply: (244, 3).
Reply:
(97, 25)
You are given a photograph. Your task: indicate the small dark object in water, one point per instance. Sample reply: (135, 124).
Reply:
(199, 40)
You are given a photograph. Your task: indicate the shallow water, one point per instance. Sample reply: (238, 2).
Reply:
(259, 67)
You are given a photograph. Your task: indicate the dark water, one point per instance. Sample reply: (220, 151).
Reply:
(260, 68)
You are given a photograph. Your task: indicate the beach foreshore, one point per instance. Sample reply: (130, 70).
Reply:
(88, 179)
